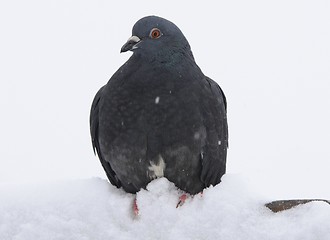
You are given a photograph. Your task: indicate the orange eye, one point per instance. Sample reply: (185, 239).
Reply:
(155, 33)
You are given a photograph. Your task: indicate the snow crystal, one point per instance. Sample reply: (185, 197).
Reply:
(94, 209)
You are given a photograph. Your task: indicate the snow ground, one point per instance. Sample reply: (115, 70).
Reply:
(93, 209)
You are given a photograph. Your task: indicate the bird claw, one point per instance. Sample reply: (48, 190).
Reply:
(182, 200)
(135, 208)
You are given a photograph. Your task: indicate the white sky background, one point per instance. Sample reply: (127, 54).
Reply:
(272, 59)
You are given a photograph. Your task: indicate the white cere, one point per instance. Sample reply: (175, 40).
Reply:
(157, 100)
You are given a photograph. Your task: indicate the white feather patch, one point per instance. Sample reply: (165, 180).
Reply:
(157, 170)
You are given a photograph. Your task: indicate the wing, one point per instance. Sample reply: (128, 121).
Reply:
(94, 130)
(215, 120)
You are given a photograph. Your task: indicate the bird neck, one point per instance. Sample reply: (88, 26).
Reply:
(167, 57)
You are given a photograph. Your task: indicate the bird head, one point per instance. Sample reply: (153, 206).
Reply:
(157, 38)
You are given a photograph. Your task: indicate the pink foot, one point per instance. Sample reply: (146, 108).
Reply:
(135, 208)
(182, 200)
(184, 197)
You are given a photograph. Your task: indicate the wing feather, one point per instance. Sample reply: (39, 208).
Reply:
(215, 121)
(94, 131)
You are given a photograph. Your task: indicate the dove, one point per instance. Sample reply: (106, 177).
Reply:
(159, 115)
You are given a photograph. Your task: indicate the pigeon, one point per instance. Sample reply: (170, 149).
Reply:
(159, 115)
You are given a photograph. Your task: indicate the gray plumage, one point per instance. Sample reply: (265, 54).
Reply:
(159, 115)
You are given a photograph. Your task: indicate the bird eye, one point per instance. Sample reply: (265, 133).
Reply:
(155, 33)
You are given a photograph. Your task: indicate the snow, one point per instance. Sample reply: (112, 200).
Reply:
(271, 58)
(94, 209)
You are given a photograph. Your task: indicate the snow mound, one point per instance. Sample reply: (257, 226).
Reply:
(93, 209)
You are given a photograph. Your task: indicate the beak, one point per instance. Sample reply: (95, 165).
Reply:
(130, 44)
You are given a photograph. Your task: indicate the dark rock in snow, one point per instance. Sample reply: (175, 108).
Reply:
(281, 205)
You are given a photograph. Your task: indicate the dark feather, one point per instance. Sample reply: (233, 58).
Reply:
(94, 130)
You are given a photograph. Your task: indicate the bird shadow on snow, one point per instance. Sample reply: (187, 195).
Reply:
(94, 209)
